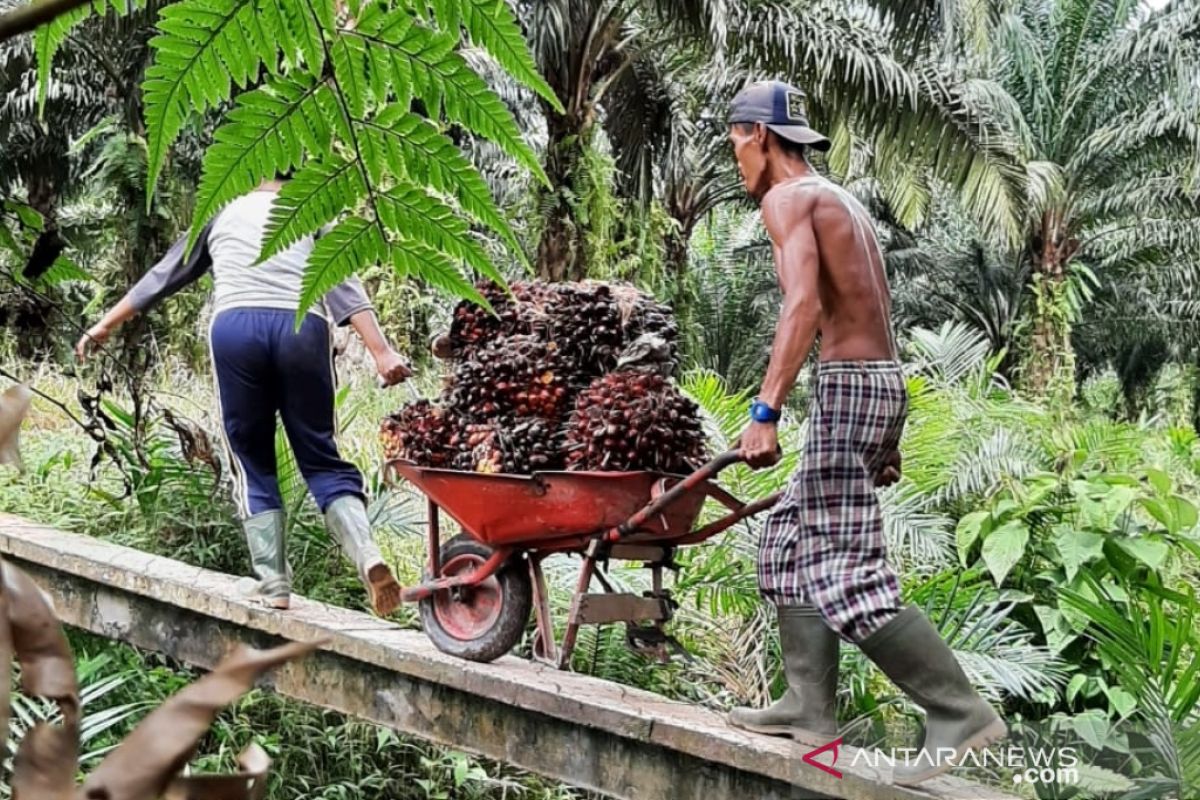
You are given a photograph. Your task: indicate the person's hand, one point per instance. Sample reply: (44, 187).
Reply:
(391, 368)
(96, 336)
(889, 470)
(760, 445)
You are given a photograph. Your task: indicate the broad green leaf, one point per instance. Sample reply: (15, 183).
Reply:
(1075, 686)
(968, 531)
(1003, 548)
(1077, 548)
(64, 269)
(1160, 480)
(29, 217)
(1122, 701)
(1092, 727)
(1150, 552)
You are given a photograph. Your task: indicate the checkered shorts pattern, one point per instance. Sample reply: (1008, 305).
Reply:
(822, 544)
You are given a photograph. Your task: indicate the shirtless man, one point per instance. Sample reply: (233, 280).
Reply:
(821, 557)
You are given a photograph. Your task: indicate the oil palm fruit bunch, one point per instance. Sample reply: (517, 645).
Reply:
(422, 432)
(634, 420)
(514, 376)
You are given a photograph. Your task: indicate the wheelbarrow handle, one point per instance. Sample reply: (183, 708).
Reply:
(667, 498)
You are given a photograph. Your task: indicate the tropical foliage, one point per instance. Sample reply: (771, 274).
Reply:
(1032, 169)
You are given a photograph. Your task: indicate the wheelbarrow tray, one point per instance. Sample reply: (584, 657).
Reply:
(553, 510)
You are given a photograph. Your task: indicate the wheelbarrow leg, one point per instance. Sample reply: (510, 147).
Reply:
(573, 622)
(545, 649)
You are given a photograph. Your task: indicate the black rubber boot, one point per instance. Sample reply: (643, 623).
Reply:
(807, 711)
(911, 652)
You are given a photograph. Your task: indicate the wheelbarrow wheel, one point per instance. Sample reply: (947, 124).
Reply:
(478, 623)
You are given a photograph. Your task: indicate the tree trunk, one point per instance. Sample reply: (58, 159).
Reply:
(560, 252)
(1049, 370)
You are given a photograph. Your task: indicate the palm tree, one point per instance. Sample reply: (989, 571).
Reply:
(638, 69)
(1107, 106)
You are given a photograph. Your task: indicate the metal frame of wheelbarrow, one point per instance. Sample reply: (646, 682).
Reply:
(633, 539)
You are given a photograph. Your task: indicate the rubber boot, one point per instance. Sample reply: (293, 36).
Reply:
(807, 711)
(346, 518)
(268, 557)
(911, 652)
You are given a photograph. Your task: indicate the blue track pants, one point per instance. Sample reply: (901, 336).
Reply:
(265, 367)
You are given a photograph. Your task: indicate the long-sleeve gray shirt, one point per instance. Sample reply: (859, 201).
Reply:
(229, 247)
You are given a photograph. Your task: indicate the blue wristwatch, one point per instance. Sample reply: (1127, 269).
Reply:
(761, 412)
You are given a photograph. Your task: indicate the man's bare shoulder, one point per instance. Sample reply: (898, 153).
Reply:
(789, 203)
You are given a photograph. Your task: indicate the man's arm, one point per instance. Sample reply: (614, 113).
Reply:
(787, 215)
(174, 271)
(788, 218)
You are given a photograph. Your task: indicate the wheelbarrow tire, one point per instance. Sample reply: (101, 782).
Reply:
(478, 624)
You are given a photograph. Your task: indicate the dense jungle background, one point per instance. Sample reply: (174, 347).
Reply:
(1033, 167)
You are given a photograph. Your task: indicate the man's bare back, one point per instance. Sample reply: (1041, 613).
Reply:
(855, 305)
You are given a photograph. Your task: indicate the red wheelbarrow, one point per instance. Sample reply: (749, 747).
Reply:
(480, 586)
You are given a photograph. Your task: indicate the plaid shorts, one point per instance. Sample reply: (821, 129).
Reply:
(822, 544)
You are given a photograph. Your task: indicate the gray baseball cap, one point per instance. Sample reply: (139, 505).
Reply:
(780, 107)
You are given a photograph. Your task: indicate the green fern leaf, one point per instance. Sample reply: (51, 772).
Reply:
(422, 62)
(268, 132)
(492, 25)
(448, 14)
(337, 255)
(467, 99)
(48, 38)
(305, 31)
(411, 211)
(206, 46)
(350, 72)
(414, 259)
(415, 147)
(314, 196)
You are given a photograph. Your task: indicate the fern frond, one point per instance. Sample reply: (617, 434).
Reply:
(206, 47)
(349, 56)
(268, 131)
(409, 210)
(492, 25)
(417, 148)
(414, 259)
(419, 62)
(468, 100)
(49, 37)
(339, 254)
(314, 196)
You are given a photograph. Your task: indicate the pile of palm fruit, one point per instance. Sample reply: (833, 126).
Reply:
(537, 385)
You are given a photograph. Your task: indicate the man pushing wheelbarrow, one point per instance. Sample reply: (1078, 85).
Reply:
(821, 557)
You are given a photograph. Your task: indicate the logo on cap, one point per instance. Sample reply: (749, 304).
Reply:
(795, 106)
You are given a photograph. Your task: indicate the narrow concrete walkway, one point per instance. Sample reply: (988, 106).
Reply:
(579, 730)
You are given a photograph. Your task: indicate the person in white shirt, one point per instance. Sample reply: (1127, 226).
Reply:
(265, 367)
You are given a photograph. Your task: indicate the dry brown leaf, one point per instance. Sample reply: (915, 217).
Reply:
(14, 405)
(250, 783)
(46, 762)
(146, 762)
(6, 655)
(47, 669)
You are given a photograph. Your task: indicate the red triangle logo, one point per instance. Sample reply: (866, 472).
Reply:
(809, 757)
